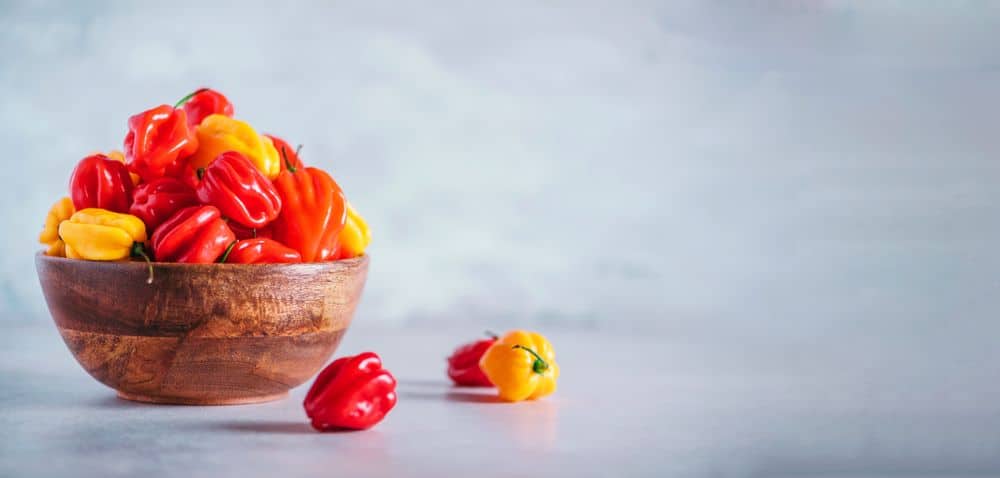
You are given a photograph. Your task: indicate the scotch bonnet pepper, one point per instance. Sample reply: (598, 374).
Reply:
(59, 212)
(196, 234)
(354, 237)
(522, 365)
(157, 141)
(463, 364)
(203, 103)
(312, 215)
(219, 133)
(101, 235)
(259, 251)
(351, 393)
(157, 200)
(290, 156)
(101, 182)
(235, 186)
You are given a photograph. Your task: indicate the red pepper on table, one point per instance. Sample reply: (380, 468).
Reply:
(314, 212)
(244, 195)
(260, 251)
(157, 141)
(101, 182)
(351, 393)
(463, 364)
(157, 200)
(285, 149)
(196, 234)
(204, 102)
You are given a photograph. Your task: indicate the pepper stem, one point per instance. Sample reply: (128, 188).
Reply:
(288, 164)
(297, 149)
(225, 255)
(540, 364)
(491, 334)
(139, 250)
(188, 97)
(200, 172)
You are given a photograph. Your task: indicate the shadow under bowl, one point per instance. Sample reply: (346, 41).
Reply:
(201, 334)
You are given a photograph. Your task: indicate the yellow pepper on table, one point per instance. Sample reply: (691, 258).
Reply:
(354, 237)
(219, 133)
(522, 365)
(59, 212)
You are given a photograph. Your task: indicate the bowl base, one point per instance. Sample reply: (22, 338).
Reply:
(200, 401)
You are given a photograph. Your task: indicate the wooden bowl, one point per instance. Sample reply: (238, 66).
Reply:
(201, 334)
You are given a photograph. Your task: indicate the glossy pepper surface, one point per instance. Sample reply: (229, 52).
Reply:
(203, 103)
(157, 142)
(157, 200)
(286, 151)
(354, 237)
(120, 157)
(59, 212)
(101, 182)
(196, 234)
(351, 393)
(463, 364)
(313, 213)
(101, 235)
(250, 232)
(243, 194)
(260, 251)
(522, 365)
(219, 133)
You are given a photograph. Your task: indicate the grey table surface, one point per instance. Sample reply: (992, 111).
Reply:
(631, 403)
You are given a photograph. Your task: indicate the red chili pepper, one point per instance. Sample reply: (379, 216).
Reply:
(204, 102)
(157, 200)
(101, 182)
(292, 154)
(196, 234)
(260, 251)
(243, 232)
(244, 195)
(351, 393)
(157, 141)
(463, 365)
(314, 212)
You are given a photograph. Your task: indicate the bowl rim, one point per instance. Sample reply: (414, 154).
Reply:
(141, 264)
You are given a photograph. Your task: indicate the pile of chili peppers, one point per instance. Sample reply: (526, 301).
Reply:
(196, 185)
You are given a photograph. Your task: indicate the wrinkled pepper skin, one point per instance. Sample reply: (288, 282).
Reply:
(157, 142)
(313, 213)
(260, 251)
(522, 365)
(351, 393)
(203, 103)
(59, 212)
(101, 182)
(101, 235)
(219, 133)
(354, 237)
(196, 234)
(243, 194)
(463, 364)
(286, 152)
(157, 200)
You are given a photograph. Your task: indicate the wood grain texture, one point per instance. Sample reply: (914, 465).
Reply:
(202, 334)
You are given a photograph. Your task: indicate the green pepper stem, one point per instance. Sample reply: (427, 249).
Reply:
(297, 149)
(188, 97)
(491, 334)
(225, 255)
(139, 250)
(288, 164)
(540, 364)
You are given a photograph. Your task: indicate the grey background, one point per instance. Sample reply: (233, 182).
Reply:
(801, 168)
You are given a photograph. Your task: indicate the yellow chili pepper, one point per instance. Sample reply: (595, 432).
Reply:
(354, 237)
(522, 365)
(59, 212)
(101, 235)
(220, 133)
